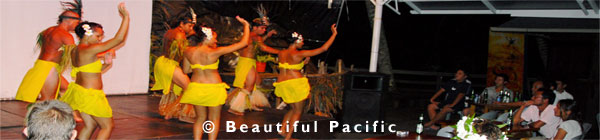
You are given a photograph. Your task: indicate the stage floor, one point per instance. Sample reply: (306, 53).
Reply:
(136, 117)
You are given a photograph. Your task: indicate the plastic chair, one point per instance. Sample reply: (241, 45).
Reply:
(586, 128)
(598, 120)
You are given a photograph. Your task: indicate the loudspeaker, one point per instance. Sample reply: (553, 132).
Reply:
(363, 94)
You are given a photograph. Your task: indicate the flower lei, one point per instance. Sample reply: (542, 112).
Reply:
(465, 130)
(296, 35)
(88, 30)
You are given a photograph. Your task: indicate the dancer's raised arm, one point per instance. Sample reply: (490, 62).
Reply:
(119, 37)
(309, 53)
(233, 47)
(266, 48)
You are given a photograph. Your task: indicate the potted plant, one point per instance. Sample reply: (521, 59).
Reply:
(261, 61)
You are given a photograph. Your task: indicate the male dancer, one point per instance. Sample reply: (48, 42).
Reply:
(167, 70)
(45, 77)
(245, 71)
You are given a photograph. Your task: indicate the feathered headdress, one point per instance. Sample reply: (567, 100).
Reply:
(263, 19)
(73, 6)
(193, 15)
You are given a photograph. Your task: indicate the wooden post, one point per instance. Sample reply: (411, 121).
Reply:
(322, 67)
(340, 66)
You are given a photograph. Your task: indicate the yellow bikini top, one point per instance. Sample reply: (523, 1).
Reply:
(94, 67)
(291, 66)
(212, 66)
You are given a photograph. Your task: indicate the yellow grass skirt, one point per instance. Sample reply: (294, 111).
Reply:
(205, 94)
(163, 75)
(241, 70)
(87, 100)
(33, 81)
(292, 90)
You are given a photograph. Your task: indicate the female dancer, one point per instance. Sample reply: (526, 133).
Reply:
(85, 94)
(291, 86)
(206, 91)
(569, 128)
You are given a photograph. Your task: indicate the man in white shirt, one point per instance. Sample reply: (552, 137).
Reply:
(539, 114)
(560, 91)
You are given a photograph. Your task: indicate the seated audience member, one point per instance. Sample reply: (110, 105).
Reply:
(560, 91)
(535, 86)
(529, 113)
(493, 92)
(453, 99)
(569, 128)
(50, 120)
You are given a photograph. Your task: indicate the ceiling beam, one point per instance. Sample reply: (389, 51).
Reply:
(543, 30)
(413, 6)
(439, 0)
(594, 6)
(489, 6)
(580, 2)
(518, 13)
(393, 8)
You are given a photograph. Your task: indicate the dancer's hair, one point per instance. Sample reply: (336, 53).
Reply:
(200, 36)
(80, 31)
(258, 22)
(184, 16)
(290, 39)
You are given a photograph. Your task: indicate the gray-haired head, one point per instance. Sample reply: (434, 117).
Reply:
(50, 120)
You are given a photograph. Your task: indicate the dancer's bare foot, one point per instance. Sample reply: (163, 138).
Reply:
(187, 119)
(235, 112)
(167, 117)
(282, 134)
(281, 106)
(257, 109)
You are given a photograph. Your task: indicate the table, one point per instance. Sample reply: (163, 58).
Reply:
(411, 136)
(521, 133)
(501, 106)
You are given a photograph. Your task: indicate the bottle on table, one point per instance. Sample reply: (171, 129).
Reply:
(517, 97)
(477, 100)
(420, 125)
(467, 99)
(472, 95)
(499, 96)
(509, 120)
(485, 97)
(507, 96)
